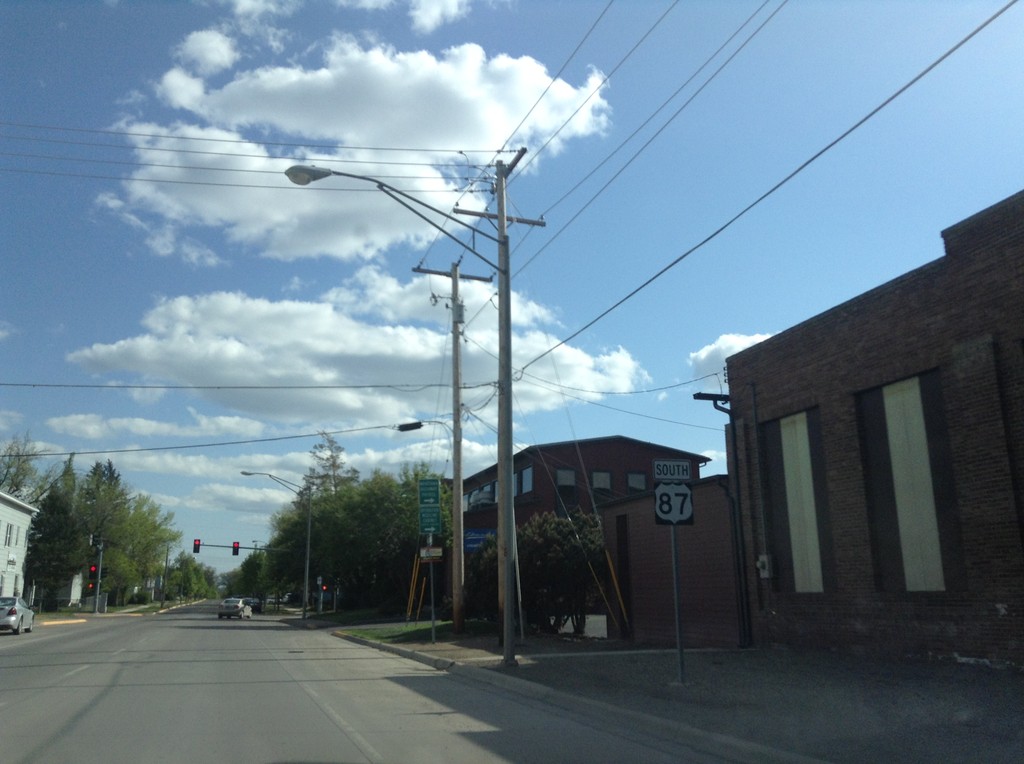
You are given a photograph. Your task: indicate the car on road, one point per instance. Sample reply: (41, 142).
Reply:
(255, 603)
(16, 615)
(234, 607)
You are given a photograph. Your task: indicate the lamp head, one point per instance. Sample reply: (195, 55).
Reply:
(303, 175)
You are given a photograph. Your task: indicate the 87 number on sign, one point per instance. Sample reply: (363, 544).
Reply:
(674, 504)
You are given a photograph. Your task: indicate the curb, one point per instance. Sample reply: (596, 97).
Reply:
(723, 747)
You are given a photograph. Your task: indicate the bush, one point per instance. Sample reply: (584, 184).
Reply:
(140, 598)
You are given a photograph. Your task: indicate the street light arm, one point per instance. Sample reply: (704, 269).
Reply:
(293, 487)
(297, 490)
(303, 175)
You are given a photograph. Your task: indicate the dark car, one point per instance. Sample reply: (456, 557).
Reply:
(255, 603)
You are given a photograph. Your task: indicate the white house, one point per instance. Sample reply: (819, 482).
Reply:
(15, 519)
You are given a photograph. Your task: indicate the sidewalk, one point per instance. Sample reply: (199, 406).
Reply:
(765, 704)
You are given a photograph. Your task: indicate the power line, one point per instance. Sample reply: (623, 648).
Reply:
(405, 388)
(208, 139)
(200, 445)
(814, 157)
(661, 129)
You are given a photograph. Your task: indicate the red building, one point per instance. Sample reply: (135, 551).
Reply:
(613, 476)
(712, 604)
(575, 473)
(879, 457)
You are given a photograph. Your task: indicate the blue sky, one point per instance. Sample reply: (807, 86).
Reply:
(152, 240)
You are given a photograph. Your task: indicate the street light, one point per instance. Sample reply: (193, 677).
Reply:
(304, 175)
(297, 490)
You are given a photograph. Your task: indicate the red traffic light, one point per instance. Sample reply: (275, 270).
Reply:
(234, 548)
(196, 543)
(93, 572)
(323, 587)
(91, 586)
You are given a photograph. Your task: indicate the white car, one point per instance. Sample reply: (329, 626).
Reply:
(16, 615)
(234, 607)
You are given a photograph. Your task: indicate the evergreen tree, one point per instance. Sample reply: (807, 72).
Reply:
(56, 547)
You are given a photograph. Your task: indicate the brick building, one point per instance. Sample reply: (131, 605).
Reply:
(555, 476)
(878, 450)
(713, 609)
(613, 476)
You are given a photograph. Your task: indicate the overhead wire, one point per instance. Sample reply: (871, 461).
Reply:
(800, 168)
(636, 154)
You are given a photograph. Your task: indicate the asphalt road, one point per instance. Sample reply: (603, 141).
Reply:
(185, 686)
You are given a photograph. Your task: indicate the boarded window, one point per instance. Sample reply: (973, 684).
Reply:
(915, 536)
(796, 511)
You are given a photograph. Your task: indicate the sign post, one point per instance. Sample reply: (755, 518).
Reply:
(430, 523)
(673, 505)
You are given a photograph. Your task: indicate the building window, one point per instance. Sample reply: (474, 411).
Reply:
(8, 534)
(524, 480)
(482, 495)
(601, 485)
(796, 517)
(915, 540)
(565, 484)
(636, 482)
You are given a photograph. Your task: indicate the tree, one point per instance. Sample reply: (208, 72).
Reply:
(330, 474)
(561, 561)
(19, 476)
(190, 579)
(254, 575)
(481, 585)
(55, 545)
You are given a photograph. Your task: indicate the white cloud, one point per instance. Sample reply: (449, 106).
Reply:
(254, 9)
(94, 426)
(378, 96)
(428, 15)
(710, 359)
(208, 51)
(376, 366)
(9, 420)
(456, 100)
(181, 90)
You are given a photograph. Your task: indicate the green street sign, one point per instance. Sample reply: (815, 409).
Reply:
(430, 520)
(430, 492)
(430, 506)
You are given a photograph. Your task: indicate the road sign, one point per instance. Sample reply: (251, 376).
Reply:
(430, 492)
(673, 504)
(430, 520)
(671, 470)
(431, 553)
(430, 506)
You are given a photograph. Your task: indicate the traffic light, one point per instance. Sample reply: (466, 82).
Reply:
(94, 571)
(196, 543)
(323, 587)
(234, 548)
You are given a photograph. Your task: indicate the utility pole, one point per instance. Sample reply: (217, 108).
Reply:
(506, 509)
(458, 556)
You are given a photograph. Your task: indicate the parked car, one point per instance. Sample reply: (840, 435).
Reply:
(15, 615)
(234, 607)
(255, 603)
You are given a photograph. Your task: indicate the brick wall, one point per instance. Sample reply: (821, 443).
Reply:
(707, 581)
(962, 315)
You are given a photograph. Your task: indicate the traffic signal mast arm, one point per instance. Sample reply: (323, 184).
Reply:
(197, 544)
